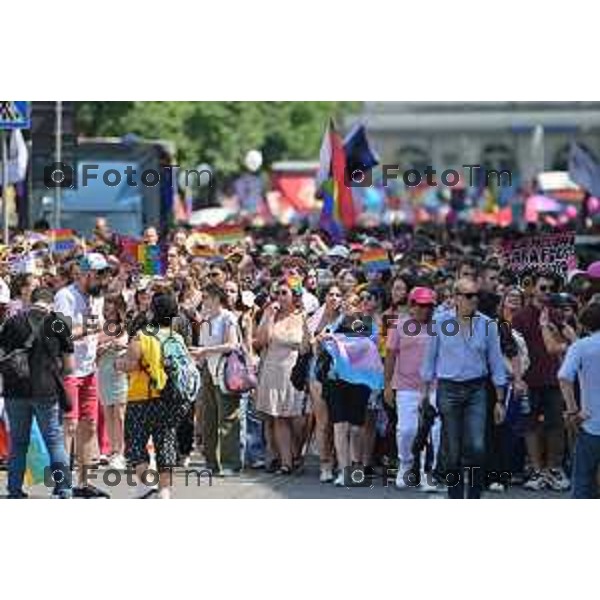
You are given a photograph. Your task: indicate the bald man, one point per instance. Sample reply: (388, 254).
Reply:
(462, 353)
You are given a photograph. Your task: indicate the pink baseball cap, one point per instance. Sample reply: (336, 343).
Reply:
(594, 270)
(422, 295)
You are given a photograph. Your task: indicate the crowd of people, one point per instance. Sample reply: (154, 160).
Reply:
(441, 367)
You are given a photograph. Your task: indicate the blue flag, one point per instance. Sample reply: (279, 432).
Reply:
(584, 170)
(359, 154)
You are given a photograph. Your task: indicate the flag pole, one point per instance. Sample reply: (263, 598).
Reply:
(58, 159)
(5, 186)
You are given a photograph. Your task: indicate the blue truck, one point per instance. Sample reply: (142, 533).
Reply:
(116, 179)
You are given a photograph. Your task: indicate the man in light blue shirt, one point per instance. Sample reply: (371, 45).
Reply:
(463, 351)
(583, 361)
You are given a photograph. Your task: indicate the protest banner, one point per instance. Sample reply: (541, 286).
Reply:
(552, 252)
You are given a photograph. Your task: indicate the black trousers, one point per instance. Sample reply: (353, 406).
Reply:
(185, 434)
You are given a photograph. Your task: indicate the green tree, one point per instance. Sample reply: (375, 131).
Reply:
(219, 133)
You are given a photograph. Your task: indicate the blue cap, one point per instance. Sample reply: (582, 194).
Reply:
(93, 262)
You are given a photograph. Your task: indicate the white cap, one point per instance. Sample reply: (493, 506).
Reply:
(339, 251)
(4, 292)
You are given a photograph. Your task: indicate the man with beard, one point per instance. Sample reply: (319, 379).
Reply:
(496, 460)
(81, 304)
(488, 294)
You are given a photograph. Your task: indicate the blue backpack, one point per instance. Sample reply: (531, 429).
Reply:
(183, 377)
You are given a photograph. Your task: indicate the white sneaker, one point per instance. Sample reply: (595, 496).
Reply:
(339, 480)
(496, 488)
(430, 487)
(536, 482)
(400, 481)
(326, 476)
(185, 463)
(557, 480)
(118, 462)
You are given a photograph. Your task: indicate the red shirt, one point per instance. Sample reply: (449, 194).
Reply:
(544, 367)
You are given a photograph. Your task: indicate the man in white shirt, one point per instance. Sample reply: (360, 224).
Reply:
(82, 303)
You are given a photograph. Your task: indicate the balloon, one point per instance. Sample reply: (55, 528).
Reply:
(253, 160)
(571, 212)
(593, 205)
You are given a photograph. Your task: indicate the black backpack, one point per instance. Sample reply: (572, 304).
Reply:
(15, 364)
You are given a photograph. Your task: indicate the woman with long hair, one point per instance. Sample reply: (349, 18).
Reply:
(113, 384)
(147, 416)
(347, 385)
(507, 447)
(348, 279)
(398, 297)
(21, 287)
(251, 425)
(326, 318)
(370, 306)
(281, 335)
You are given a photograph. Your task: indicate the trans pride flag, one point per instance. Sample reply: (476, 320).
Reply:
(355, 360)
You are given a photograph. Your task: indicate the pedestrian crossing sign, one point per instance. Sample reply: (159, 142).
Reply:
(15, 115)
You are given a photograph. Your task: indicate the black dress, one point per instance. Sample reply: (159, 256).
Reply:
(347, 402)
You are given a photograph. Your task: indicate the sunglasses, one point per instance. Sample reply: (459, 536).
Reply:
(544, 289)
(215, 274)
(283, 292)
(469, 295)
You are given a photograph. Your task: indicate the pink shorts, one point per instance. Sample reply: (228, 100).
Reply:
(83, 392)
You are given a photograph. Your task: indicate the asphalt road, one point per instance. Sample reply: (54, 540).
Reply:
(258, 484)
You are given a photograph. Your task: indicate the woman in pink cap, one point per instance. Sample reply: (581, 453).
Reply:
(406, 345)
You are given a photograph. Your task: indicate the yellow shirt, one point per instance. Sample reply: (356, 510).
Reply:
(140, 380)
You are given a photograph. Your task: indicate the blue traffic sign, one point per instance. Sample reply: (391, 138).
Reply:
(15, 115)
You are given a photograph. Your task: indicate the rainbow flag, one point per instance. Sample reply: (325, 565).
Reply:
(224, 234)
(376, 259)
(338, 213)
(61, 240)
(151, 259)
(128, 249)
(203, 252)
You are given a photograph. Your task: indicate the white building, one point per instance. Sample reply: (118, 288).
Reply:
(523, 137)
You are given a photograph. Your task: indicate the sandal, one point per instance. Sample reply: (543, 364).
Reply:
(284, 470)
(298, 467)
(272, 466)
